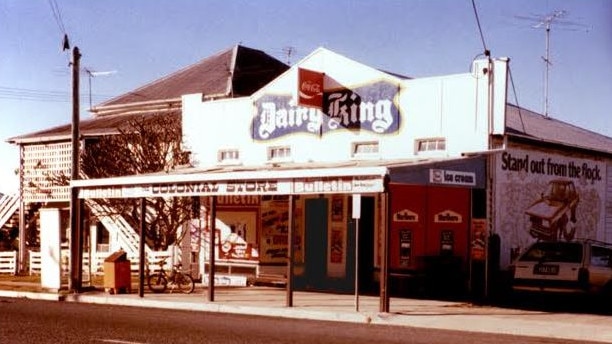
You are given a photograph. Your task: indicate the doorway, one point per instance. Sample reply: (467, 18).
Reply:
(315, 250)
(367, 283)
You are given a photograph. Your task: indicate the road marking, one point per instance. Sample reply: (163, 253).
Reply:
(117, 341)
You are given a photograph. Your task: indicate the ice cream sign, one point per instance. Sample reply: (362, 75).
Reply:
(438, 176)
(371, 108)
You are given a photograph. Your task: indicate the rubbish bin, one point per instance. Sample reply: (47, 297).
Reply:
(117, 273)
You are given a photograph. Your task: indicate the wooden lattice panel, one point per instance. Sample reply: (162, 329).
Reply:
(42, 165)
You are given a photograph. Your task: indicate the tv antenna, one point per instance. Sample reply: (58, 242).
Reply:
(546, 21)
(289, 50)
(92, 74)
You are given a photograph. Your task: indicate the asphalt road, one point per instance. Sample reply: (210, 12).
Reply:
(42, 322)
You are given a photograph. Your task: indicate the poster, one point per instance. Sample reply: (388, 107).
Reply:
(545, 196)
(274, 229)
(241, 241)
(479, 232)
(337, 245)
(337, 208)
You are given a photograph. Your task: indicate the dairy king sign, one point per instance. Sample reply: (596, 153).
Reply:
(370, 108)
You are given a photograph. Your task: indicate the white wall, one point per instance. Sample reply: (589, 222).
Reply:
(50, 248)
(452, 107)
(213, 125)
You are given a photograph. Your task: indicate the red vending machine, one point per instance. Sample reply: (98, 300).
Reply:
(408, 232)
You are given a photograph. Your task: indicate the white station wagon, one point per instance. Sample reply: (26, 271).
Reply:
(580, 266)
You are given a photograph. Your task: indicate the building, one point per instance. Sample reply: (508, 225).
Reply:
(46, 155)
(381, 179)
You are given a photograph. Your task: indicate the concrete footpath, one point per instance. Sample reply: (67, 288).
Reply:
(267, 301)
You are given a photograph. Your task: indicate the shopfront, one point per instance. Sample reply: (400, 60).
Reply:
(285, 164)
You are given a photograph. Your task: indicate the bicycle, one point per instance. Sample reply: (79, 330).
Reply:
(159, 280)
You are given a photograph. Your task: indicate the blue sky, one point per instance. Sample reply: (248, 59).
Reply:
(143, 40)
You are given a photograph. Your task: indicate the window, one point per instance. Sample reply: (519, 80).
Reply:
(360, 149)
(279, 153)
(228, 156)
(553, 252)
(600, 256)
(430, 145)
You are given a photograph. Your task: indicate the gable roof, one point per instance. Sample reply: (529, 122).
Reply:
(525, 124)
(237, 71)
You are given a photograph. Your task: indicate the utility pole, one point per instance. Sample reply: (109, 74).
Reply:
(76, 252)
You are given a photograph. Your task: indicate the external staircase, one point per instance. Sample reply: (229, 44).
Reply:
(9, 204)
(128, 238)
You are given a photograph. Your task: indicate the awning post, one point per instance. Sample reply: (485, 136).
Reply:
(211, 248)
(141, 247)
(384, 264)
(289, 298)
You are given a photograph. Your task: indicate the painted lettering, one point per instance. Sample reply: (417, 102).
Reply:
(370, 108)
(238, 200)
(447, 218)
(510, 163)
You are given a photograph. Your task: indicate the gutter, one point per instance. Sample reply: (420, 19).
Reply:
(151, 103)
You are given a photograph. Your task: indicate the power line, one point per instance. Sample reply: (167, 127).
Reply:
(57, 14)
(516, 99)
(484, 44)
(25, 94)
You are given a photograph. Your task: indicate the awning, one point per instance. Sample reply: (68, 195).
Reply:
(353, 177)
(337, 180)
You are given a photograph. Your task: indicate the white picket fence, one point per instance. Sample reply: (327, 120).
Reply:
(8, 262)
(97, 268)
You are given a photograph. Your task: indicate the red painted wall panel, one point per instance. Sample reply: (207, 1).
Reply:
(428, 221)
(408, 209)
(448, 221)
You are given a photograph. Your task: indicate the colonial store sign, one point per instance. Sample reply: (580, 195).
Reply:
(298, 186)
(371, 108)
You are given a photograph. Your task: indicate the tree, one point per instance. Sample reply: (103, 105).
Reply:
(143, 144)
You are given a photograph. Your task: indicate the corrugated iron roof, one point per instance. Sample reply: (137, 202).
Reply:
(105, 125)
(530, 125)
(238, 71)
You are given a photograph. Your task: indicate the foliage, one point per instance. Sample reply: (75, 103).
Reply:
(8, 237)
(143, 144)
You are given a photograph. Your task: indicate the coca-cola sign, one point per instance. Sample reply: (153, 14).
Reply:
(371, 108)
(310, 88)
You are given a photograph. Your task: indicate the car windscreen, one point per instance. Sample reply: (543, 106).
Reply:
(563, 252)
